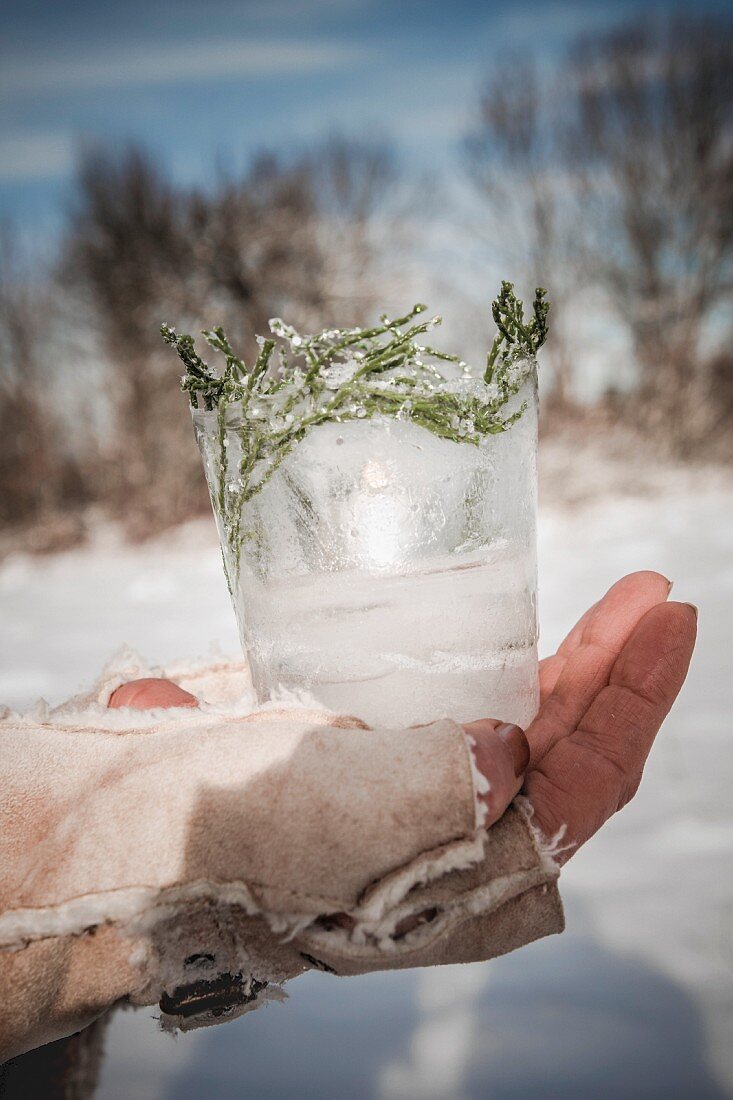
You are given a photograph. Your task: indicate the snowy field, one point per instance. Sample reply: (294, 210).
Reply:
(634, 1000)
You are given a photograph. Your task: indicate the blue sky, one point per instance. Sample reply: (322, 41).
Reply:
(214, 81)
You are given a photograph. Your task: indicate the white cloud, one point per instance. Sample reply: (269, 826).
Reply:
(307, 10)
(35, 156)
(517, 25)
(167, 63)
(413, 104)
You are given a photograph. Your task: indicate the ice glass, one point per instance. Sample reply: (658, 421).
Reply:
(389, 573)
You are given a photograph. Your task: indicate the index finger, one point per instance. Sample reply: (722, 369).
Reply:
(573, 677)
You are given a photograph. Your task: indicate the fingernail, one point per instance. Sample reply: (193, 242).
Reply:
(693, 607)
(514, 738)
(670, 585)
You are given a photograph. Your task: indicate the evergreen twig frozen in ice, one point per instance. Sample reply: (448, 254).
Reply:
(301, 381)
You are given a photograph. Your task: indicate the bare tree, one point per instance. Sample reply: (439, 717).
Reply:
(512, 158)
(142, 251)
(128, 254)
(254, 250)
(360, 218)
(649, 143)
(286, 238)
(615, 172)
(38, 476)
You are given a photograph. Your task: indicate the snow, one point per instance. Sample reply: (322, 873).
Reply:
(636, 998)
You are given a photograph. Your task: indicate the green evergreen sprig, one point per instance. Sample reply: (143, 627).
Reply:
(339, 375)
(515, 338)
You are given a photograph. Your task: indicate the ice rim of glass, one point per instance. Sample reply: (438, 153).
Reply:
(298, 382)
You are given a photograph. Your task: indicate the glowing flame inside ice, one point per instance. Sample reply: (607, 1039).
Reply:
(380, 518)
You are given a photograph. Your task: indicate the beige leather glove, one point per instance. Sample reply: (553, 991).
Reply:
(196, 857)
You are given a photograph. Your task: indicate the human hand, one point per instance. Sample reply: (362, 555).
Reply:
(604, 695)
(500, 750)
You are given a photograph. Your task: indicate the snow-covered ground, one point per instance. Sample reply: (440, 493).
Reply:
(634, 1000)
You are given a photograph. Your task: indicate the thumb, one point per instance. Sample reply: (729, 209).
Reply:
(151, 692)
(501, 754)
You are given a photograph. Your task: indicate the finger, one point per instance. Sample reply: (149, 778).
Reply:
(151, 692)
(501, 754)
(596, 769)
(549, 671)
(623, 720)
(584, 661)
(634, 585)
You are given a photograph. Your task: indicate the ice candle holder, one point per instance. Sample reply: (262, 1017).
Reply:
(383, 570)
(376, 501)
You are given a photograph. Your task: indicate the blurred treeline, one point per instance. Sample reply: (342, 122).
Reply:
(608, 178)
